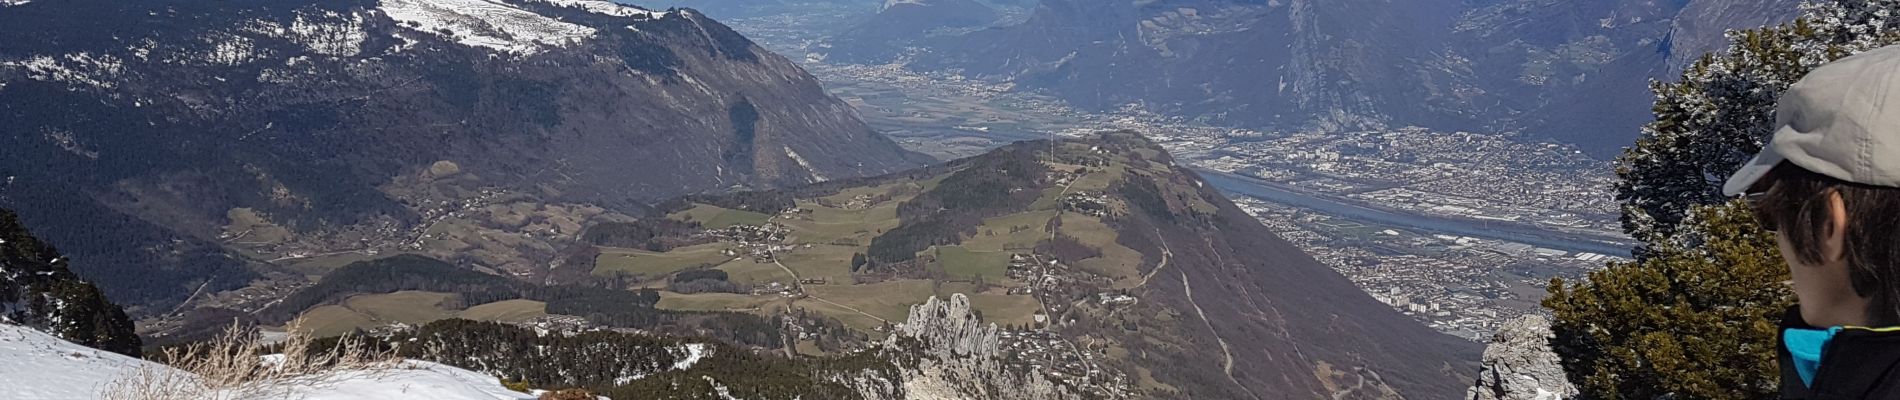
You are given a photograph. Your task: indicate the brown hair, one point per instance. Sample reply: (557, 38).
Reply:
(1796, 204)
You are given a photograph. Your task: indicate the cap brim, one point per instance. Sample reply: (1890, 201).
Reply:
(1751, 173)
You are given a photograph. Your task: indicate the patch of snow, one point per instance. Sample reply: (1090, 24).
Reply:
(893, 3)
(329, 33)
(720, 388)
(39, 366)
(608, 8)
(694, 352)
(83, 69)
(226, 50)
(802, 163)
(485, 23)
(411, 380)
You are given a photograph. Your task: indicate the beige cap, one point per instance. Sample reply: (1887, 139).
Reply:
(1838, 122)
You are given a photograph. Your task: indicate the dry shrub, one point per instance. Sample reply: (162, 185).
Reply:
(568, 394)
(234, 366)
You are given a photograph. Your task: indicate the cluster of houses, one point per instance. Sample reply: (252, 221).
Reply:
(1055, 357)
(1033, 270)
(758, 242)
(1086, 203)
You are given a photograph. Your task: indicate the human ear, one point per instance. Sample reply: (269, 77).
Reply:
(1834, 238)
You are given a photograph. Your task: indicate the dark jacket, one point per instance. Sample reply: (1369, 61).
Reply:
(1855, 364)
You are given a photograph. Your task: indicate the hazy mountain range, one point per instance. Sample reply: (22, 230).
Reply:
(1575, 71)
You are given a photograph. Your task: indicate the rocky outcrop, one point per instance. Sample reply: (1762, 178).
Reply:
(946, 352)
(1519, 364)
(948, 328)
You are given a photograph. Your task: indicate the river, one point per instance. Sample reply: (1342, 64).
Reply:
(1496, 230)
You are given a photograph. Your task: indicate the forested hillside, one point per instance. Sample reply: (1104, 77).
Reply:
(38, 291)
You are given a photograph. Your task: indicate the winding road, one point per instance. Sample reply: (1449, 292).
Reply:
(1227, 365)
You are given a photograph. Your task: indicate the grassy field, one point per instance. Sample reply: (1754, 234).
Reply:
(840, 226)
(962, 263)
(830, 262)
(809, 348)
(1117, 262)
(746, 272)
(714, 301)
(996, 306)
(334, 320)
(846, 195)
(850, 319)
(409, 307)
(406, 306)
(247, 227)
(647, 263)
(719, 217)
(1099, 181)
(887, 300)
(1005, 309)
(510, 311)
(317, 266)
(995, 235)
(371, 310)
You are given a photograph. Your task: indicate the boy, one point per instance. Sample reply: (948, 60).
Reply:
(1829, 183)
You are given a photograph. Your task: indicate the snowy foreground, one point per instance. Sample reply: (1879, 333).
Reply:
(36, 366)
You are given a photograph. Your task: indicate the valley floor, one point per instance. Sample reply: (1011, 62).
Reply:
(1461, 283)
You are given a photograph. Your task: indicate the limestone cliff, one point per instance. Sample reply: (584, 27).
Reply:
(1519, 365)
(946, 352)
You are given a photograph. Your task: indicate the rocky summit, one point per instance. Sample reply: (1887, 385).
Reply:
(1519, 364)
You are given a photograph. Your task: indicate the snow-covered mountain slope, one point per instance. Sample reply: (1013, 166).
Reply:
(412, 380)
(38, 366)
(485, 23)
(134, 129)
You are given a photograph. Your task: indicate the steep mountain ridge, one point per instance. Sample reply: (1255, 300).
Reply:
(1285, 325)
(1119, 273)
(139, 128)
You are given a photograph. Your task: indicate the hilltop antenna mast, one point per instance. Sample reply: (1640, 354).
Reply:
(1055, 137)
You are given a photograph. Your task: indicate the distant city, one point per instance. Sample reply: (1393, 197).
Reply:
(1458, 230)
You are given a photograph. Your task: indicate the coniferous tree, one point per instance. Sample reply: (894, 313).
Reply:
(1690, 323)
(37, 290)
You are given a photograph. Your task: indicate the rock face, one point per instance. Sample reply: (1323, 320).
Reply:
(956, 357)
(1519, 364)
(948, 328)
(135, 129)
